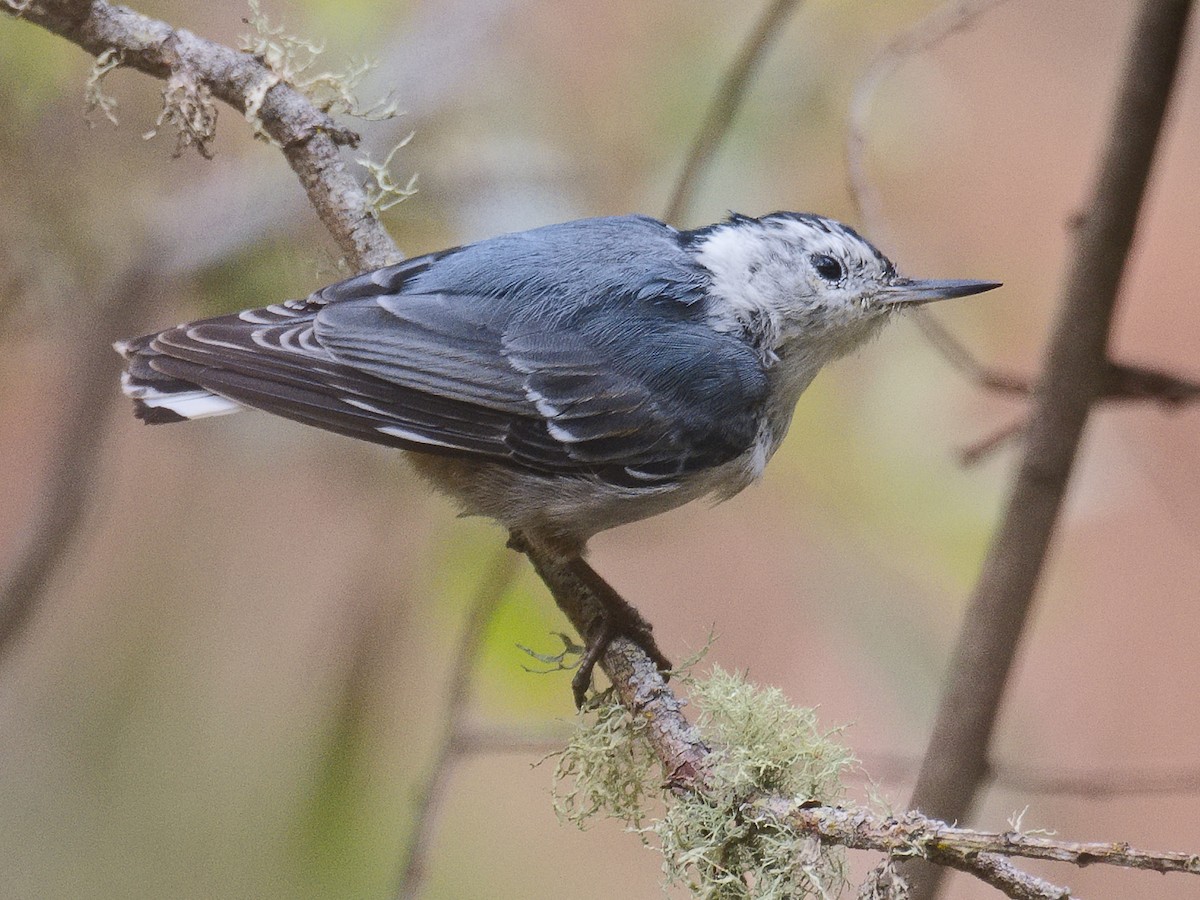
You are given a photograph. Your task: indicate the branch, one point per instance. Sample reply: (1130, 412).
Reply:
(975, 852)
(193, 234)
(860, 831)
(1076, 374)
(458, 738)
(688, 767)
(638, 683)
(1122, 383)
(309, 139)
(944, 21)
(926, 33)
(1093, 784)
(307, 136)
(90, 369)
(726, 103)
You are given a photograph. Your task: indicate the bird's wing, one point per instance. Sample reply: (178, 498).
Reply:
(654, 399)
(499, 350)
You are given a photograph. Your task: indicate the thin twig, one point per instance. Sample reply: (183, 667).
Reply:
(1122, 383)
(852, 828)
(1098, 784)
(725, 105)
(457, 735)
(1092, 784)
(1075, 376)
(90, 370)
(482, 740)
(919, 38)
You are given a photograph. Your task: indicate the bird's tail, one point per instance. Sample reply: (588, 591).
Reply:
(159, 398)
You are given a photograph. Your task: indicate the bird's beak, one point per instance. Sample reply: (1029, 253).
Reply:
(913, 292)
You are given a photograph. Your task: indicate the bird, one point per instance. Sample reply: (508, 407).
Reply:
(563, 380)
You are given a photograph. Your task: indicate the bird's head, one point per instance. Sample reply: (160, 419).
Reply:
(795, 279)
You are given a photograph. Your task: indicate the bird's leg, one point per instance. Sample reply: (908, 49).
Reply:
(597, 611)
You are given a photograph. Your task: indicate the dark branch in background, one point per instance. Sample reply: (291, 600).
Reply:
(155, 48)
(91, 370)
(1122, 382)
(1128, 382)
(458, 738)
(725, 105)
(1075, 375)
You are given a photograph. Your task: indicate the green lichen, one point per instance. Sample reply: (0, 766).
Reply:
(94, 97)
(607, 768)
(381, 187)
(762, 744)
(293, 59)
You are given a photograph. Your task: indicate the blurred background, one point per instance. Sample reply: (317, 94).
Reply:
(235, 669)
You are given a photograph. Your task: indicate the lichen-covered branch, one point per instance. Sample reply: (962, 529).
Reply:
(914, 833)
(641, 687)
(308, 137)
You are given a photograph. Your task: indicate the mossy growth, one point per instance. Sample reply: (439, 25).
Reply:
(762, 744)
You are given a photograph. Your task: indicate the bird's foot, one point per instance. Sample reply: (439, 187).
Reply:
(620, 620)
(582, 594)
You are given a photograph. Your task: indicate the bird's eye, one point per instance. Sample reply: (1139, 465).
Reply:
(827, 267)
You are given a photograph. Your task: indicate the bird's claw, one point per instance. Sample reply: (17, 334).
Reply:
(634, 628)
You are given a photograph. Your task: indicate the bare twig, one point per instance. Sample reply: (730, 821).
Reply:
(961, 359)
(920, 37)
(496, 739)
(457, 735)
(1076, 373)
(726, 103)
(1094, 784)
(91, 369)
(1099, 783)
(1128, 382)
(1122, 383)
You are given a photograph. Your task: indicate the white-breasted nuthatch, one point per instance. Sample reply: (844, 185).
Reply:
(562, 380)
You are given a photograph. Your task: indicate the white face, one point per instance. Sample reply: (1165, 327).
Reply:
(790, 278)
